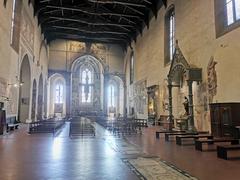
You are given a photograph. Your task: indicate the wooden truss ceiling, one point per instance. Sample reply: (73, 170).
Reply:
(104, 21)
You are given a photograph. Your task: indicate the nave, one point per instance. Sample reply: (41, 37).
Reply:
(156, 80)
(44, 156)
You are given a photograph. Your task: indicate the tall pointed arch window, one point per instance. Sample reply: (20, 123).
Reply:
(86, 85)
(111, 96)
(227, 16)
(15, 24)
(169, 35)
(59, 93)
(132, 68)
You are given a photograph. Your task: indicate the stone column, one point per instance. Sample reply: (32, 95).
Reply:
(68, 94)
(106, 79)
(125, 99)
(191, 113)
(170, 104)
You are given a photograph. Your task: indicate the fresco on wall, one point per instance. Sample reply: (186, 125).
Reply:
(201, 105)
(27, 30)
(3, 87)
(11, 104)
(96, 49)
(140, 96)
(77, 47)
(212, 79)
(163, 96)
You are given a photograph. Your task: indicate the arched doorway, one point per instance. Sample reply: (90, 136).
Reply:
(24, 90)
(40, 98)
(34, 96)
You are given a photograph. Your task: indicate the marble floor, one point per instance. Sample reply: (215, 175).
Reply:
(44, 156)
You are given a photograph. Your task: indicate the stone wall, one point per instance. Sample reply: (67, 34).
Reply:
(195, 31)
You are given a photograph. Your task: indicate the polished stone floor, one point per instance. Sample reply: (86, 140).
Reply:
(41, 156)
(44, 156)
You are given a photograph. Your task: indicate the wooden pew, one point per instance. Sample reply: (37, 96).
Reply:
(12, 123)
(168, 131)
(200, 142)
(179, 138)
(167, 135)
(222, 150)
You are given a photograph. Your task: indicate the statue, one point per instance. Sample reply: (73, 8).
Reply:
(186, 105)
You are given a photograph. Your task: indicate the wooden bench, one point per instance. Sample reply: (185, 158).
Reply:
(168, 131)
(179, 138)
(167, 135)
(12, 123)
(222, 150)
(200, 142)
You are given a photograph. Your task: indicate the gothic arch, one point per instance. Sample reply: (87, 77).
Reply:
(55, 109)
(43, 46)
(94, 90)
(90, 58)
(24, 90)
(118, 84)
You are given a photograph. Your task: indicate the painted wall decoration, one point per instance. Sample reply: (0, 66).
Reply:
(212, 79)
(11, 103)
(27, 30)
(77, 47)
(140, 97)
(3, 87)
(164, 96)
(201, 105)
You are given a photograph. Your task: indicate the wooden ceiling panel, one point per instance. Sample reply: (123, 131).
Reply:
(110, 21)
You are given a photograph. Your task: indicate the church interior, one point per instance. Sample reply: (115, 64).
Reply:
(119, 89)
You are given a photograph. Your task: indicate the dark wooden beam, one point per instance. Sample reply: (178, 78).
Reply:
(85, 11)
(83, 21)
(89, 31)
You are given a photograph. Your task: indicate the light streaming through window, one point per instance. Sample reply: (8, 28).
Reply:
(87, 86)
(59, 94)
(233, 11)
(171, 35)
(111, 96)
(13, 20)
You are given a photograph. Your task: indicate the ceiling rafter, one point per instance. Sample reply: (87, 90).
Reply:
(116, 21)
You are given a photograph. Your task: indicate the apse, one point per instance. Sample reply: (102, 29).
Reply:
(87, 85)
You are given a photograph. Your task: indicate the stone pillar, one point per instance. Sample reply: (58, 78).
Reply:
(191, 113)
(125, 99)
(106, 79)
(170, 104)
(68, 94)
